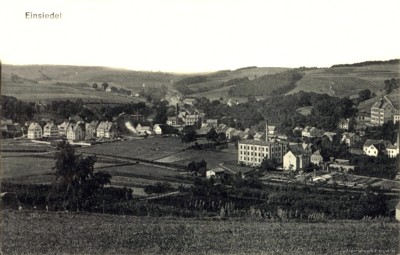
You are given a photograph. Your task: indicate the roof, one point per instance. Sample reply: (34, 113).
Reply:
(258, 142)
(34, 125)
(330, 134)
(105, 125)
(297, 149)
(370, 142)
(217, 170)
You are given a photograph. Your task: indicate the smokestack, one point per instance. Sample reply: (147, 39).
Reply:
(266, 131)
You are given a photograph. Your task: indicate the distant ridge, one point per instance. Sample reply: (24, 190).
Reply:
(368, 63)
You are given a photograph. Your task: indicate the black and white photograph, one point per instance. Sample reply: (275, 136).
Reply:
(199, 127)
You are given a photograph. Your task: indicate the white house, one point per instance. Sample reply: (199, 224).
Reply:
(215, 172)
(158, 129)
(350, 139)
(316, 158)
(51, 130)
(106, 129)
(398, 212)
(76, 132)
(62, 128)
(296, 158)
(143, 130)
(35, 131)
(373, 147)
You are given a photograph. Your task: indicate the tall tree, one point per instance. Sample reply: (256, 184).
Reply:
(75, 177)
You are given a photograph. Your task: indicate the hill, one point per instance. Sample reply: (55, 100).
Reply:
(195, 85)
(38, 232)
(347, 80)
(36, 82)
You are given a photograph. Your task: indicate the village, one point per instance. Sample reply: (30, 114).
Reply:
(254, 146)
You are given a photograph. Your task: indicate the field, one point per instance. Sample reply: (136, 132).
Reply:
(148, 148)
(213, 158)
(69, 233)
(346, 81)
(36, 167)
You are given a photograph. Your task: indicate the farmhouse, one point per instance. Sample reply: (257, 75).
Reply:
(51, 130)
(35, 131)
(215, 173)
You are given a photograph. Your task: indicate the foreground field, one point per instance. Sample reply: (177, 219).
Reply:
(63, 233)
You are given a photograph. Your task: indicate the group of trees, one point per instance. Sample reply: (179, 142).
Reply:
(391, 84)
(76, 180)
(18, 111)
(274, 84)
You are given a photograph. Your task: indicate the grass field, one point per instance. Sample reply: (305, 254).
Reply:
(68, 233)
(150, 148)
(346, 81)
(211, 157)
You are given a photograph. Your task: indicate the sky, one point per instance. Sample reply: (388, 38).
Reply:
(199, 35)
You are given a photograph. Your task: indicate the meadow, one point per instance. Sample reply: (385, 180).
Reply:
(151, 148)
(78, 233)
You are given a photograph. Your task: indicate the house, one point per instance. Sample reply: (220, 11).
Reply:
(252, 152)
(90, 130)
(311, 132)
(232, 102)
(75, 118)
(344, 123)
(35, 131)
(143, 130)
(360, 128)
(158, 129)
(106, 129)
(229, 133)
(51, 130)
(191, 119)
(316, 158)
(222, 128)
(396, 116)
(374, 148)
(215, 173)
(330, 135)
(202, 132)
(62, 128)
(239, 133)
(259, 136)
(342, 165)
(76, 132)
(382, 111)
(398, 212)
(189, 101)
(296, 158)
(271, 130)
(172, 121)
(212, 123)
(350, 139)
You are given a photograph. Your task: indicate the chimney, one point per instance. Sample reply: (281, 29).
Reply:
(266, 131)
